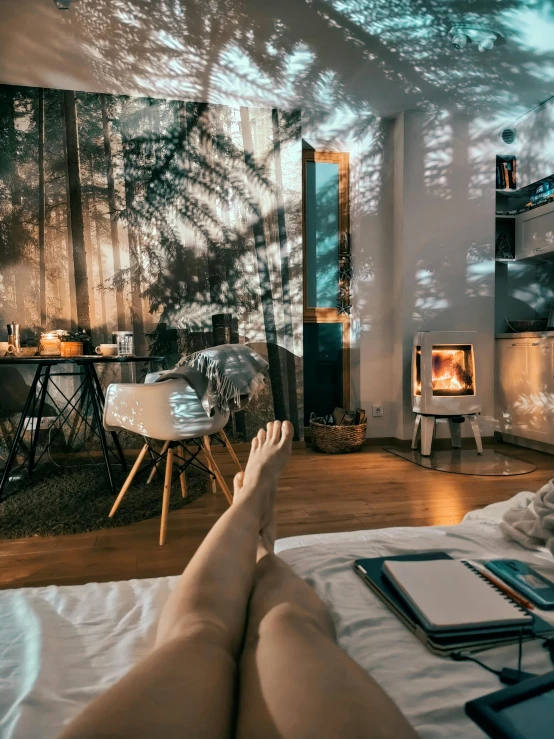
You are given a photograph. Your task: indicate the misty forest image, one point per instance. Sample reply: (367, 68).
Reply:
(179, 221)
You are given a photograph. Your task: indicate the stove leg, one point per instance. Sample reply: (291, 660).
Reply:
(417, 423)
(427, 431)
(455, 433)
(476, 433)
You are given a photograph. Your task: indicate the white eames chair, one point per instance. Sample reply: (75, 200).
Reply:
(171, 412)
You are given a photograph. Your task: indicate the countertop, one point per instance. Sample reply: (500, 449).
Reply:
(527, 335)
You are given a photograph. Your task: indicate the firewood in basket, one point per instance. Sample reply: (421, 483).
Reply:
(338, 416)
(349, 419)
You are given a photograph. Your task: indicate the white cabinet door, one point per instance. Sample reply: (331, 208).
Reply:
(525, 388)
(535, 232)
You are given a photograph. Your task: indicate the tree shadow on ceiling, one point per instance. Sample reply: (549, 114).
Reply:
(369, 56)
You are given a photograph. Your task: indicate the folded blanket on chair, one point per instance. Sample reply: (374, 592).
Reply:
(226, 377)
(532, 526)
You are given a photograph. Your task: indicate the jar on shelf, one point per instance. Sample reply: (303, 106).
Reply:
(125, 343)
(71, 348)
(50, 344)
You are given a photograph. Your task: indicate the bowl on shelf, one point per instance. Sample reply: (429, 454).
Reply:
(537, 324)
(26, 351)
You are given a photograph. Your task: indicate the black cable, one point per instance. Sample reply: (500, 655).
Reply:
(548, 644)
(461, 657)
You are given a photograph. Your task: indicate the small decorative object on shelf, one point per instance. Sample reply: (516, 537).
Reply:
(504, 247)
(71, 348)
(506, 173)
(544, 193)
(50, 344)
(85, 340)
(125, 343)
(14, 337)
(345, 275)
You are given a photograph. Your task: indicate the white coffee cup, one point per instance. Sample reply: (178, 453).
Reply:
(107, 350)
(3, 348)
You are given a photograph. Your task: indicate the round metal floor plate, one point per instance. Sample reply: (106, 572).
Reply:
(466, 462)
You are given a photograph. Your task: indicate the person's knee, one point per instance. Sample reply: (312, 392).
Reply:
(290, 616)
(207, 631)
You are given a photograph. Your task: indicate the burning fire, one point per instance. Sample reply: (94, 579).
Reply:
(448, 370)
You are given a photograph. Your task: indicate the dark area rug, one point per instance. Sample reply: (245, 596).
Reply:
(71, 500)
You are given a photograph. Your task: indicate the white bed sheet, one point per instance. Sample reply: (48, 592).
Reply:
(62, 646)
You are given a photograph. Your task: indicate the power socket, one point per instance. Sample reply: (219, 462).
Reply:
(378, 410)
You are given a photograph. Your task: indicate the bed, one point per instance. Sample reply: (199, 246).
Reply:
(62, 646)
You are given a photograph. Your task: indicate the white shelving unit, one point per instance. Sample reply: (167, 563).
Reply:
(535, 233)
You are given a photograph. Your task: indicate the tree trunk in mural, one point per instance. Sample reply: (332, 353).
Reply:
(98, 236)
(70, 265)
(112, 205)
(17, 233)
(284, 253)
(134, 256)
(76, 209)
(63, 287)
(215, 265)
(41, 211)
(231, 321)
(265, 285)
(87, 223)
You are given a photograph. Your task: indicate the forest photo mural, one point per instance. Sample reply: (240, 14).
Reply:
(180, 221)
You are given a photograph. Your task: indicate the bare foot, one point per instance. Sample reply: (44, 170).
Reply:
(269, 455)
(268, 532)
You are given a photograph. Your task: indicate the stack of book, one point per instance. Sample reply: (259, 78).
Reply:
(505, 174)
(448, 604)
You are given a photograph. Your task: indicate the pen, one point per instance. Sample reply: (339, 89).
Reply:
(501, 585)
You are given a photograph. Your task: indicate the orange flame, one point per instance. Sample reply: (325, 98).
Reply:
(447, 370)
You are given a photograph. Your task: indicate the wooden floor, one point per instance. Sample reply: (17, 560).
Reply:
(371, 489)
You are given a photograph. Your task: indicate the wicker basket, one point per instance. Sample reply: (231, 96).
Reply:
(337, 439)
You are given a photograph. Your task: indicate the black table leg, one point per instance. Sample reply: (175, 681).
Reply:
(38, 417)
(115, 437)
(97, 412)
(20, 429)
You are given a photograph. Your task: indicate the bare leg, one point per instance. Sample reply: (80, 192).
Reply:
(295, 681)
(186, 686)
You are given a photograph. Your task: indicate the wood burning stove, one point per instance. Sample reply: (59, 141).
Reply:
(444, 385)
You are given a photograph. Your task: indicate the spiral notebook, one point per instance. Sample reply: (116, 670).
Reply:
(449, 595)
(443, 642)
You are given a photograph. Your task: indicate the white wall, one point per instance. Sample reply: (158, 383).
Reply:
(444, 244)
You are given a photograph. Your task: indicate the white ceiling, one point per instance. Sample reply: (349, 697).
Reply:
(358, 57)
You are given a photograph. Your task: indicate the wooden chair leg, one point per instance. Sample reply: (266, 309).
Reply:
(208, 446)
(219, 477)
(230, 449)
(183, 481)
(167, 494)
(155, 467)
(129, 480)
(182, 475)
